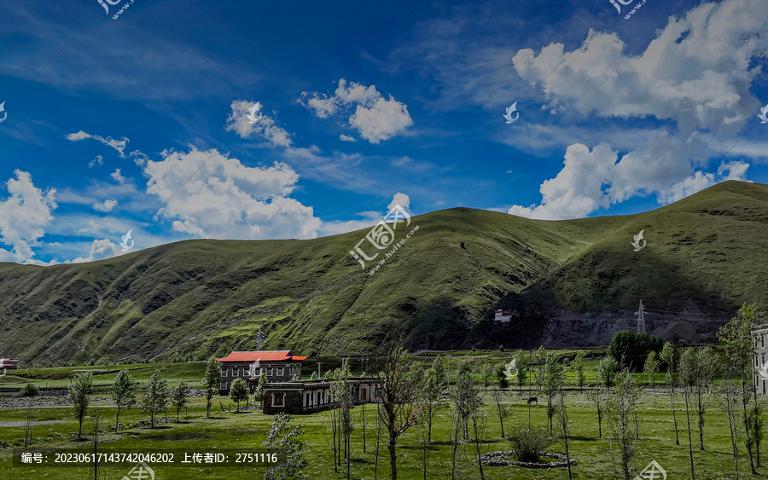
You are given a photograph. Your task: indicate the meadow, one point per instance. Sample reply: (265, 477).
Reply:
(596, 458)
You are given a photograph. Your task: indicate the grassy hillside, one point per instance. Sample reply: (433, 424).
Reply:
(195, 298)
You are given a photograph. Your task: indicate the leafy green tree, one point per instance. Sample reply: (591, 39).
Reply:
(671, 358)
(466, 401)
(431, 397)
(179, 398)
(688, 374)
(502, 384)
(651, 367)
(552, 377)
(441, 372)
(79, 389)
(735, 338)
(621, 407)
(123, 393)
(238, 392)
(211, 383)
(578, 367)
(707, 366)
(261, 387)
(284, 440)
(606, 371)
(631, 349)
(155, 397)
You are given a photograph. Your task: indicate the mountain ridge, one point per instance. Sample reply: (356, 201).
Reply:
(566, 282)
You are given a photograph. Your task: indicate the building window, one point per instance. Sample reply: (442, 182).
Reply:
(281, 371)
(270, 372)
(223, 385)
(224, 372)
(274, 400)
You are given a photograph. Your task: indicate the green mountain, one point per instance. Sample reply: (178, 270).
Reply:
(566, 283)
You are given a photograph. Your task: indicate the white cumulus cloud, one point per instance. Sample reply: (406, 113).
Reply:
(375, 117)
(207, 194)
(24, 216)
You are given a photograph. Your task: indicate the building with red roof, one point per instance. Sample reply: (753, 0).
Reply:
(278, 365)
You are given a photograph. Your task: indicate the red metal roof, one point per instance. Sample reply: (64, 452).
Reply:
(271, 356)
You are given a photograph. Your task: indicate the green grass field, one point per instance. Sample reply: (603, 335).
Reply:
(55, 428)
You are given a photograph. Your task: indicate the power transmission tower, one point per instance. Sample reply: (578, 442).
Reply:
(640, 314)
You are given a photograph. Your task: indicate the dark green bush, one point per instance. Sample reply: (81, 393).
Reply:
(529, 444)
(30, 390)
(631, 349)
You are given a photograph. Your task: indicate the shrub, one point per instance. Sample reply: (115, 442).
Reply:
(529, 444)
(30, 391)
(631, 349)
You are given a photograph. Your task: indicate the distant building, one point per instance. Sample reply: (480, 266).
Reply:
(502, 316)
(314, 395)
(8, 363)
(279, 366)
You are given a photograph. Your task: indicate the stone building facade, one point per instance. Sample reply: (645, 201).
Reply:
(313, 396)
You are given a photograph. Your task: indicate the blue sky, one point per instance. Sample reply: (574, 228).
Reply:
(142, 122)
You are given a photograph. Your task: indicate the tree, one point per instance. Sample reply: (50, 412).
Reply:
(705, 370)
(399, 388)
(735, 338)
(621, 406)
(521, 365)
(552, 376)
(123, 393)
(578, 367)
(671, 357)
(606, 371)
(79, 389)
(688, 365)
(431, 397)
(179, 398)
(630, 349)
(343, 394)
(651, 367)
(283, 439)
(211, 383)
(466, 402)
(441, 373)
(238, 392)
(562, 414)
(261, 386)
(155, 397)
(730, 407)
(498, 395)
(597, 395)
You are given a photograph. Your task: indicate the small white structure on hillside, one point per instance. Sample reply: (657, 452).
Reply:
(502, 316)
(759, 343)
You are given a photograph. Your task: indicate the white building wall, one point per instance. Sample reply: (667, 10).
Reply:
(760, 355)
